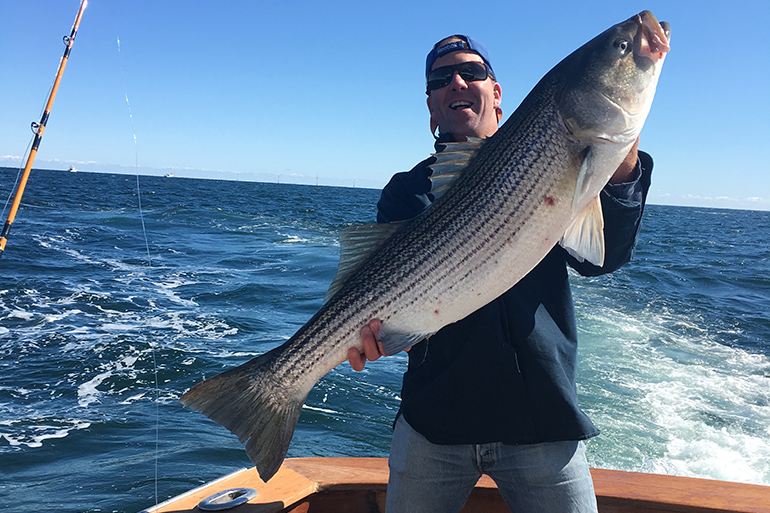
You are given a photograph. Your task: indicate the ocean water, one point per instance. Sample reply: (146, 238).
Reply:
(102, 330)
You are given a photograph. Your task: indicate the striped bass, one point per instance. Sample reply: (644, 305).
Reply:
(501, 205)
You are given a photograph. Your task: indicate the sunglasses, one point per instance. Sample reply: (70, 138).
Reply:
(469, 71)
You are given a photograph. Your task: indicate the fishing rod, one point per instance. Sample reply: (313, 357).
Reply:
(38, 129)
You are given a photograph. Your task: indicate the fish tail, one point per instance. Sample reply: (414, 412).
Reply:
(250, 402)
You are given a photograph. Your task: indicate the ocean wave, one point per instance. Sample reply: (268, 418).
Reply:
(31, 433)
(669, 382)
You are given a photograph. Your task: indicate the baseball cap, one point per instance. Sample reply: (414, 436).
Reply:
(467, 43)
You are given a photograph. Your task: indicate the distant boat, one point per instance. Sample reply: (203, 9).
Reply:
(73, 170)
(169, 175)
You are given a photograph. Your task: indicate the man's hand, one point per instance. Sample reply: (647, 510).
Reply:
(625, 173)
(372, 348)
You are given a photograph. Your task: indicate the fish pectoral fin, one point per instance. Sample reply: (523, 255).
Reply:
(393, 343)
(584, 239)
(584, 180)
(357, 243)
(450, 164)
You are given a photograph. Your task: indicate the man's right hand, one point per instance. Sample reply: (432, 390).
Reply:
(372, 348)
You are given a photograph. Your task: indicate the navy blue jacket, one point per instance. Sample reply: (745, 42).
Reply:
(506, 373)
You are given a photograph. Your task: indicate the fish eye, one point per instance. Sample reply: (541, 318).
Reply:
(622, 46)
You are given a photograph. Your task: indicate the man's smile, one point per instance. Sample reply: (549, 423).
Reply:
(460, 104)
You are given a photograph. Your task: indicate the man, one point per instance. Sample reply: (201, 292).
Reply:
(495, 392)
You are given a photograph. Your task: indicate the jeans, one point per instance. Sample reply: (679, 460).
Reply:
(535, 478)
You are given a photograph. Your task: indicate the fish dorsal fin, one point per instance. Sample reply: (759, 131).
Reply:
(584, 239)
(450, 163)
(356, 244)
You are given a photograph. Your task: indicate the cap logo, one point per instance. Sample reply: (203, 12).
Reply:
(451, 47)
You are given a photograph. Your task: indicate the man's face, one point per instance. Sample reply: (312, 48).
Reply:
(465, 108)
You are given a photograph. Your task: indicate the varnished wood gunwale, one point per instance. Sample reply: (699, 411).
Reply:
(352, 485)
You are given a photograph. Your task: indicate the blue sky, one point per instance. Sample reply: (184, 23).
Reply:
(333, 92)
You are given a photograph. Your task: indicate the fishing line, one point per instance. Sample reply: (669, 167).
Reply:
(136, 159)
(157, 418)
(20, 171)
(149, 263)
(24, 158)
(18, 176)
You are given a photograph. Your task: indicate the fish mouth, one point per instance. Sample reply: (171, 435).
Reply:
(617, 105)
(652, 40)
